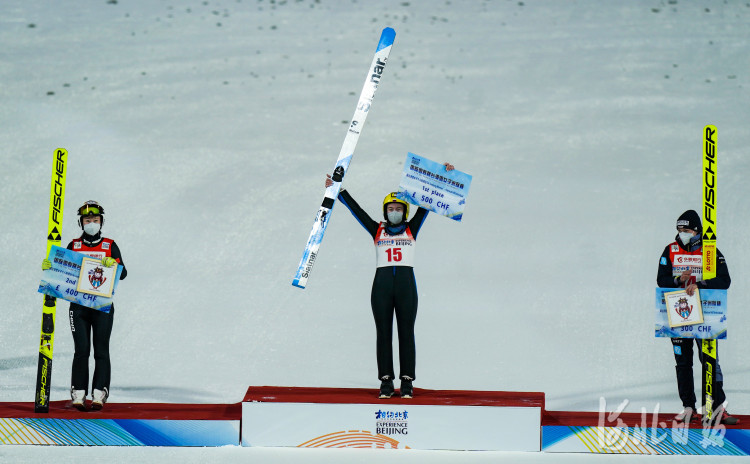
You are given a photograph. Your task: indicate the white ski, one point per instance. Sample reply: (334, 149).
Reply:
(372, 80)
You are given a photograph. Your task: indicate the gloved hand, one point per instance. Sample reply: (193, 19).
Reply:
(46, 264)
(109, 261)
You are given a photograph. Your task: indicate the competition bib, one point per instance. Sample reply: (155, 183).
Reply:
(95, 254)
(394, 250)
(102, 249)
(683, 260)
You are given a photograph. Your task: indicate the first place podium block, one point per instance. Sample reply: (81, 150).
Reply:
(356, 418)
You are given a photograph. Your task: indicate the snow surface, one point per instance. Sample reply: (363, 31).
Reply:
(232, 455)
(205, 129)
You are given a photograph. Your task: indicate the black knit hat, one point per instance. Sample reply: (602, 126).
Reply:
(690, 220)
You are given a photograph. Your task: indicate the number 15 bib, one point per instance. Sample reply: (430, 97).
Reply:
(394, 250)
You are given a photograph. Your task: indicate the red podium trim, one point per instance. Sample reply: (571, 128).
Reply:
(370, 396)
(146, 411)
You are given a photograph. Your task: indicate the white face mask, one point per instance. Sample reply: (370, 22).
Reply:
(395, 217)
(685, 237)
(92, 228)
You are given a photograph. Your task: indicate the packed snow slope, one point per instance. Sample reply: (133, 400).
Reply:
(205, 128)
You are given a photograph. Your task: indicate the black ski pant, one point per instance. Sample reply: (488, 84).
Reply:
(85, 322)
(683, 355)
(394, 290)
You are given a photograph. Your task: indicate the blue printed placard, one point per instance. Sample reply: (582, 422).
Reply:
(61, 280)
(429, 185)
(714, 326)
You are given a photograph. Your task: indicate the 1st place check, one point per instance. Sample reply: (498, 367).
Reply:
(431, 186)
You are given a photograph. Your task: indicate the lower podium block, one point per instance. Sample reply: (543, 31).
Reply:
(121, 424)
(634, 433)
(356, 418)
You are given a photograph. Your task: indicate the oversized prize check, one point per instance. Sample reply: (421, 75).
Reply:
(431, 186)
(80, 279)
(713, 303)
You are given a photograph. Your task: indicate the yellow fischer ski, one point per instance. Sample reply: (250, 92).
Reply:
(709, 202)
(708, 346)
(54, 237)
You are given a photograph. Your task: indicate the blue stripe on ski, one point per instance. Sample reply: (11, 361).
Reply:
(315, 239)
(344, 162)
(386, 38)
